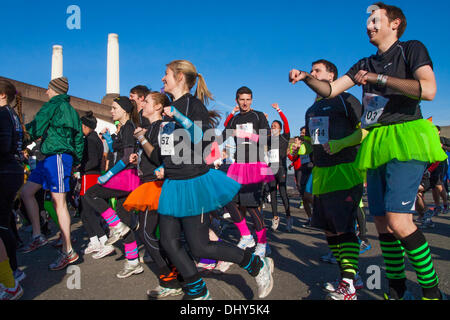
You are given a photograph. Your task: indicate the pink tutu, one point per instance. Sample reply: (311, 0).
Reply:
(249, 173)
(126, 180)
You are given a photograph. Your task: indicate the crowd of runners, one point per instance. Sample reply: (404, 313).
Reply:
(167, 175)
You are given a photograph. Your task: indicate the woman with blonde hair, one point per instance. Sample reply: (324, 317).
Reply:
(197, 190)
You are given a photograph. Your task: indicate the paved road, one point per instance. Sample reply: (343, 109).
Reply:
(299, 273)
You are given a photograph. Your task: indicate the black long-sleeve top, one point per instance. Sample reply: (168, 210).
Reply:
(92, 154)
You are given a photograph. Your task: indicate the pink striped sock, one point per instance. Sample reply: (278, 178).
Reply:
(110, 217)
(261, 236)
(131, 251)
(243, 228)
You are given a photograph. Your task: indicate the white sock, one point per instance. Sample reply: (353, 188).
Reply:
(350, 282)
(134, 262)
(103, 239)
(94, 241)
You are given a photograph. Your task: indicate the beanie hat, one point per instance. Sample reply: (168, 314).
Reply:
(59, 85)
(125, 103)
(89, 120)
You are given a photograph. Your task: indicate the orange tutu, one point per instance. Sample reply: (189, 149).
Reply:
(144, 197)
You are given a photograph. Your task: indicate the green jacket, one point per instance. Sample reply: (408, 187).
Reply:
(59, 125)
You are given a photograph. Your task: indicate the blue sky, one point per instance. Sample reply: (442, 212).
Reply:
(254, 43)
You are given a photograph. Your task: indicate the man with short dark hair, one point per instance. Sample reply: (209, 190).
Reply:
(138, 94)
(396, 141)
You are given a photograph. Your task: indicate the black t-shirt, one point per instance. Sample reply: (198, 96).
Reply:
(124, 140)
(277, 148)
(401, 60)
(332, 119)
(92, 154)
(147, 165)
(251, 122)
(182, 158)
(11, 140)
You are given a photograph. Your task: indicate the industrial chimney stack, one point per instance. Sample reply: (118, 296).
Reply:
(57, 62)
(112, 70)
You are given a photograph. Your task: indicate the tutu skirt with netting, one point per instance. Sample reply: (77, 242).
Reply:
(202, 194)
(250, 173)
(145, 197)
(125, 180)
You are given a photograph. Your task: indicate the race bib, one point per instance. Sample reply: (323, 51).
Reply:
(373, 108)
(318, 129)
(274, 156)
(166, 141)
(245, 127)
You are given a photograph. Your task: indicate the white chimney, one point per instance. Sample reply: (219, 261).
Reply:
(57, 62)
(112, 69)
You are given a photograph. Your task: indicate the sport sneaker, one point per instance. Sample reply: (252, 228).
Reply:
(130, 269)
(203, 267)
(103, 252)
(207, 296)
(332, 286)
(264, 279)
(246, 242)
(19, 275)
(342, 292)
(275, 223)
(91, 248)
(261, 250)
(329, 257)
(11, 293)
(406, 296)
(364, 246)
(222, 266)
(36, 242)
(64, 260)
(117, 232)
(162, 292)
(289, 224)
(443, 297)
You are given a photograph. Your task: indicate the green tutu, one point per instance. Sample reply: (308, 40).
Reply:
(343, 176)
(413, 140)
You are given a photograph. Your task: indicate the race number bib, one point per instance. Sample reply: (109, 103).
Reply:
(274, 156)
(318, 129)
(245, 128)
(373, 108)
(166, 141)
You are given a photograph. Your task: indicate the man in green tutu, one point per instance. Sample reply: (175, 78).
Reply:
(396, 142)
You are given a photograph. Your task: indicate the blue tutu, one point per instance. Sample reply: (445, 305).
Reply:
(206, 193)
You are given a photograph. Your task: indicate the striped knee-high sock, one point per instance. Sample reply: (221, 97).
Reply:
(131, 251)
(394, 260)
(110, 217)
(194, 287)
(348, 255)
(333, 244)
(418, 251)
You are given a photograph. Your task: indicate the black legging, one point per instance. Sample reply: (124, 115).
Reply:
(9, 186)
(238, 214)
(97, 197)
(361, 219)
(280, 181)
(196, 231)
(91, 221)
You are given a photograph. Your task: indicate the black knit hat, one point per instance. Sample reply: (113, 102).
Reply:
(59, 85)
(89, 120)
(125, 103)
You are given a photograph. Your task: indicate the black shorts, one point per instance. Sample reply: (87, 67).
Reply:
(302, 179)
(425, 183)
(437, 177)
(250, 195)
(336, 211)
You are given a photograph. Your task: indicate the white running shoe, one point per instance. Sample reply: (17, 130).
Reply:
(117, 232)
(162, 292)
(275, 223)
(91, 248)
(130, 269)
(103, 252)
(264, 279)
(261, 250)
(246, 242)
(222, 266)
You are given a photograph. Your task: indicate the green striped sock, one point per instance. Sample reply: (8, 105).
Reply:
(349, 255)
(394, 260)
(333, 244)
(419, 255)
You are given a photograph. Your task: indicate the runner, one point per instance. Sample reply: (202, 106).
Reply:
(394, 82)
(198, 189)
(249, 170)
(117, 183)
(277, 151)
(59, 125)
(337, 184)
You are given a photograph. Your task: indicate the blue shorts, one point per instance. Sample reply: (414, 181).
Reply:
(393, 187)
(53, 173)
